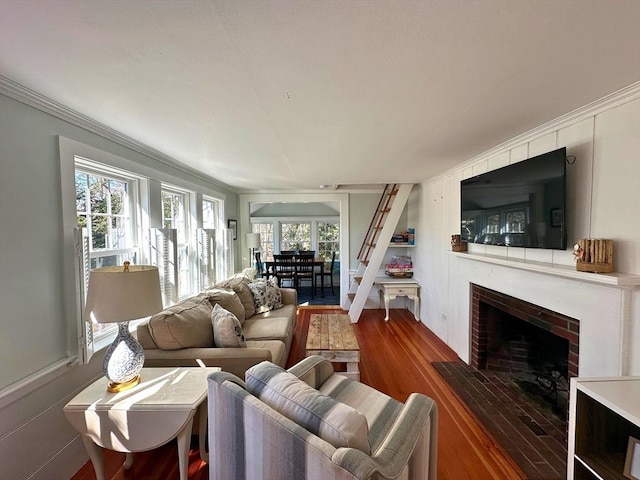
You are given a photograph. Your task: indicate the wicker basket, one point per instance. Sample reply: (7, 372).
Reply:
(594, 255)
(459, 248)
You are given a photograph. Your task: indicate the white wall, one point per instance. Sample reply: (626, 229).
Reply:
(603, 200)
(35, 439)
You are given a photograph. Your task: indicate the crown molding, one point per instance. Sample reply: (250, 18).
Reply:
(36, 100)
(615, 99)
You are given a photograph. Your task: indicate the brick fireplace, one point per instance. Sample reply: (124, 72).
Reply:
(491, 313)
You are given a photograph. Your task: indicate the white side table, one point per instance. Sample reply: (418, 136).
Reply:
(390, 288)
(161, 407)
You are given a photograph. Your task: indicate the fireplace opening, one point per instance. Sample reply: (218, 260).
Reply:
(530, 357)
(535, 347)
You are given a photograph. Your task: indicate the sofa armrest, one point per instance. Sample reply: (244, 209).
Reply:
(413, 436)
(232, 360)
(289, 296)
(313, 370)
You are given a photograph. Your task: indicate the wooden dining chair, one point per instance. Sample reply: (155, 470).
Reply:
(305, 271)
(285, 269)
(307, 253)
(287, 252)
(259, 264)
(327, 271)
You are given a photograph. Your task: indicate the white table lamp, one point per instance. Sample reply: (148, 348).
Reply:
(118, 295)
(253, 242)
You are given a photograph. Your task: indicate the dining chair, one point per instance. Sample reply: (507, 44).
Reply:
(305, 266)
(285, 269)
(288, 252)
(259, 264)
(327, 271)
(308, 253)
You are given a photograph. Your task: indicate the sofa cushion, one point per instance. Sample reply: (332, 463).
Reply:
(240, 284)
(276, 328)
(266, 295)
(227, 331)
(333, 421)
(184, 325)
(228, 299)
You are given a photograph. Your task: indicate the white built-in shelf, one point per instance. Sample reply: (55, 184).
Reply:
(611, 279)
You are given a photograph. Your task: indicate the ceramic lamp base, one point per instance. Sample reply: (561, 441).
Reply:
(123, 360)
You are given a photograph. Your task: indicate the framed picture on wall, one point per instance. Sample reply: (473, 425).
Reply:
(233, 225)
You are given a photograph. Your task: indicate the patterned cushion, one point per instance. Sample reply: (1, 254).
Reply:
(240, 284)
(336, 423)
(184, 325)
(227, 331)
(266, 295)
(227, 299)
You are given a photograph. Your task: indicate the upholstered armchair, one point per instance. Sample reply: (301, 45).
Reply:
(310, 423)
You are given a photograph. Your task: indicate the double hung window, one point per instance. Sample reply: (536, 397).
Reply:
(106, 213)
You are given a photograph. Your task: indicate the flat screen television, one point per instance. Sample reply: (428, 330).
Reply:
(520, 205)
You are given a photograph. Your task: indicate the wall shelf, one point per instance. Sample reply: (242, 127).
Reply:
(620, 280)
(603, 414)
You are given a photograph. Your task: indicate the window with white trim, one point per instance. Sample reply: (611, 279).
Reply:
(106, 212)
(175, 215)
(328, 239)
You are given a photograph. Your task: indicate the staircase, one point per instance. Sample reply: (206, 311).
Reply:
(375, 243)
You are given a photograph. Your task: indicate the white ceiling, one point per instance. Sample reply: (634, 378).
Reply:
(291, 94)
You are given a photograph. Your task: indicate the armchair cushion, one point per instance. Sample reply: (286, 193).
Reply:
(227, 331)
(333, 421)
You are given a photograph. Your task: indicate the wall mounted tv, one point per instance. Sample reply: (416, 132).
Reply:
(520, 205)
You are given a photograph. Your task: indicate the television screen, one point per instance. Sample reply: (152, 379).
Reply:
(520, 205)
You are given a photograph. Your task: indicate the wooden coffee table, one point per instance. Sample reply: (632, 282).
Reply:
(332, 336)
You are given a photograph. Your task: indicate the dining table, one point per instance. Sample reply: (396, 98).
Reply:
(269, 265)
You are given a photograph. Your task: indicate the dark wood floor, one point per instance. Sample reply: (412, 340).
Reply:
(396, 358)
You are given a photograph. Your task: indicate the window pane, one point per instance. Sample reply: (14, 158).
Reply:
(99, 231)
(118, 194)
(119, 232)
(295, 236)
(81, 192)
(266, 238)
(98, 193)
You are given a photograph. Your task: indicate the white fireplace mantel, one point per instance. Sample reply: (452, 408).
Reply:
(622, 280)
(606, 305)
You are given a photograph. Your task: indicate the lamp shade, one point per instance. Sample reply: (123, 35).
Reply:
(116, 295)
(253, 240)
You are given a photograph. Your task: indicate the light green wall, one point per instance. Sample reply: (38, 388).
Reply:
(33, 321)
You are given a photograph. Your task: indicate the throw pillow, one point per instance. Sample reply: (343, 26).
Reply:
(333, 421)
(240, 284)
(266, 295)
(227, 331)
(184, 325)
(227, 299)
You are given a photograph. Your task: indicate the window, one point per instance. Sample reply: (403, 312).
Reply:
(105, 210)
(295, 236)
(328, 239)
(266, 238)
(175, 210)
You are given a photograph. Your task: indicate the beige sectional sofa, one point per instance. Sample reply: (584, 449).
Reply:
(182, 335)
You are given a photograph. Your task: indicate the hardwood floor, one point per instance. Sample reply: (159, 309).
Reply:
(396, 359)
